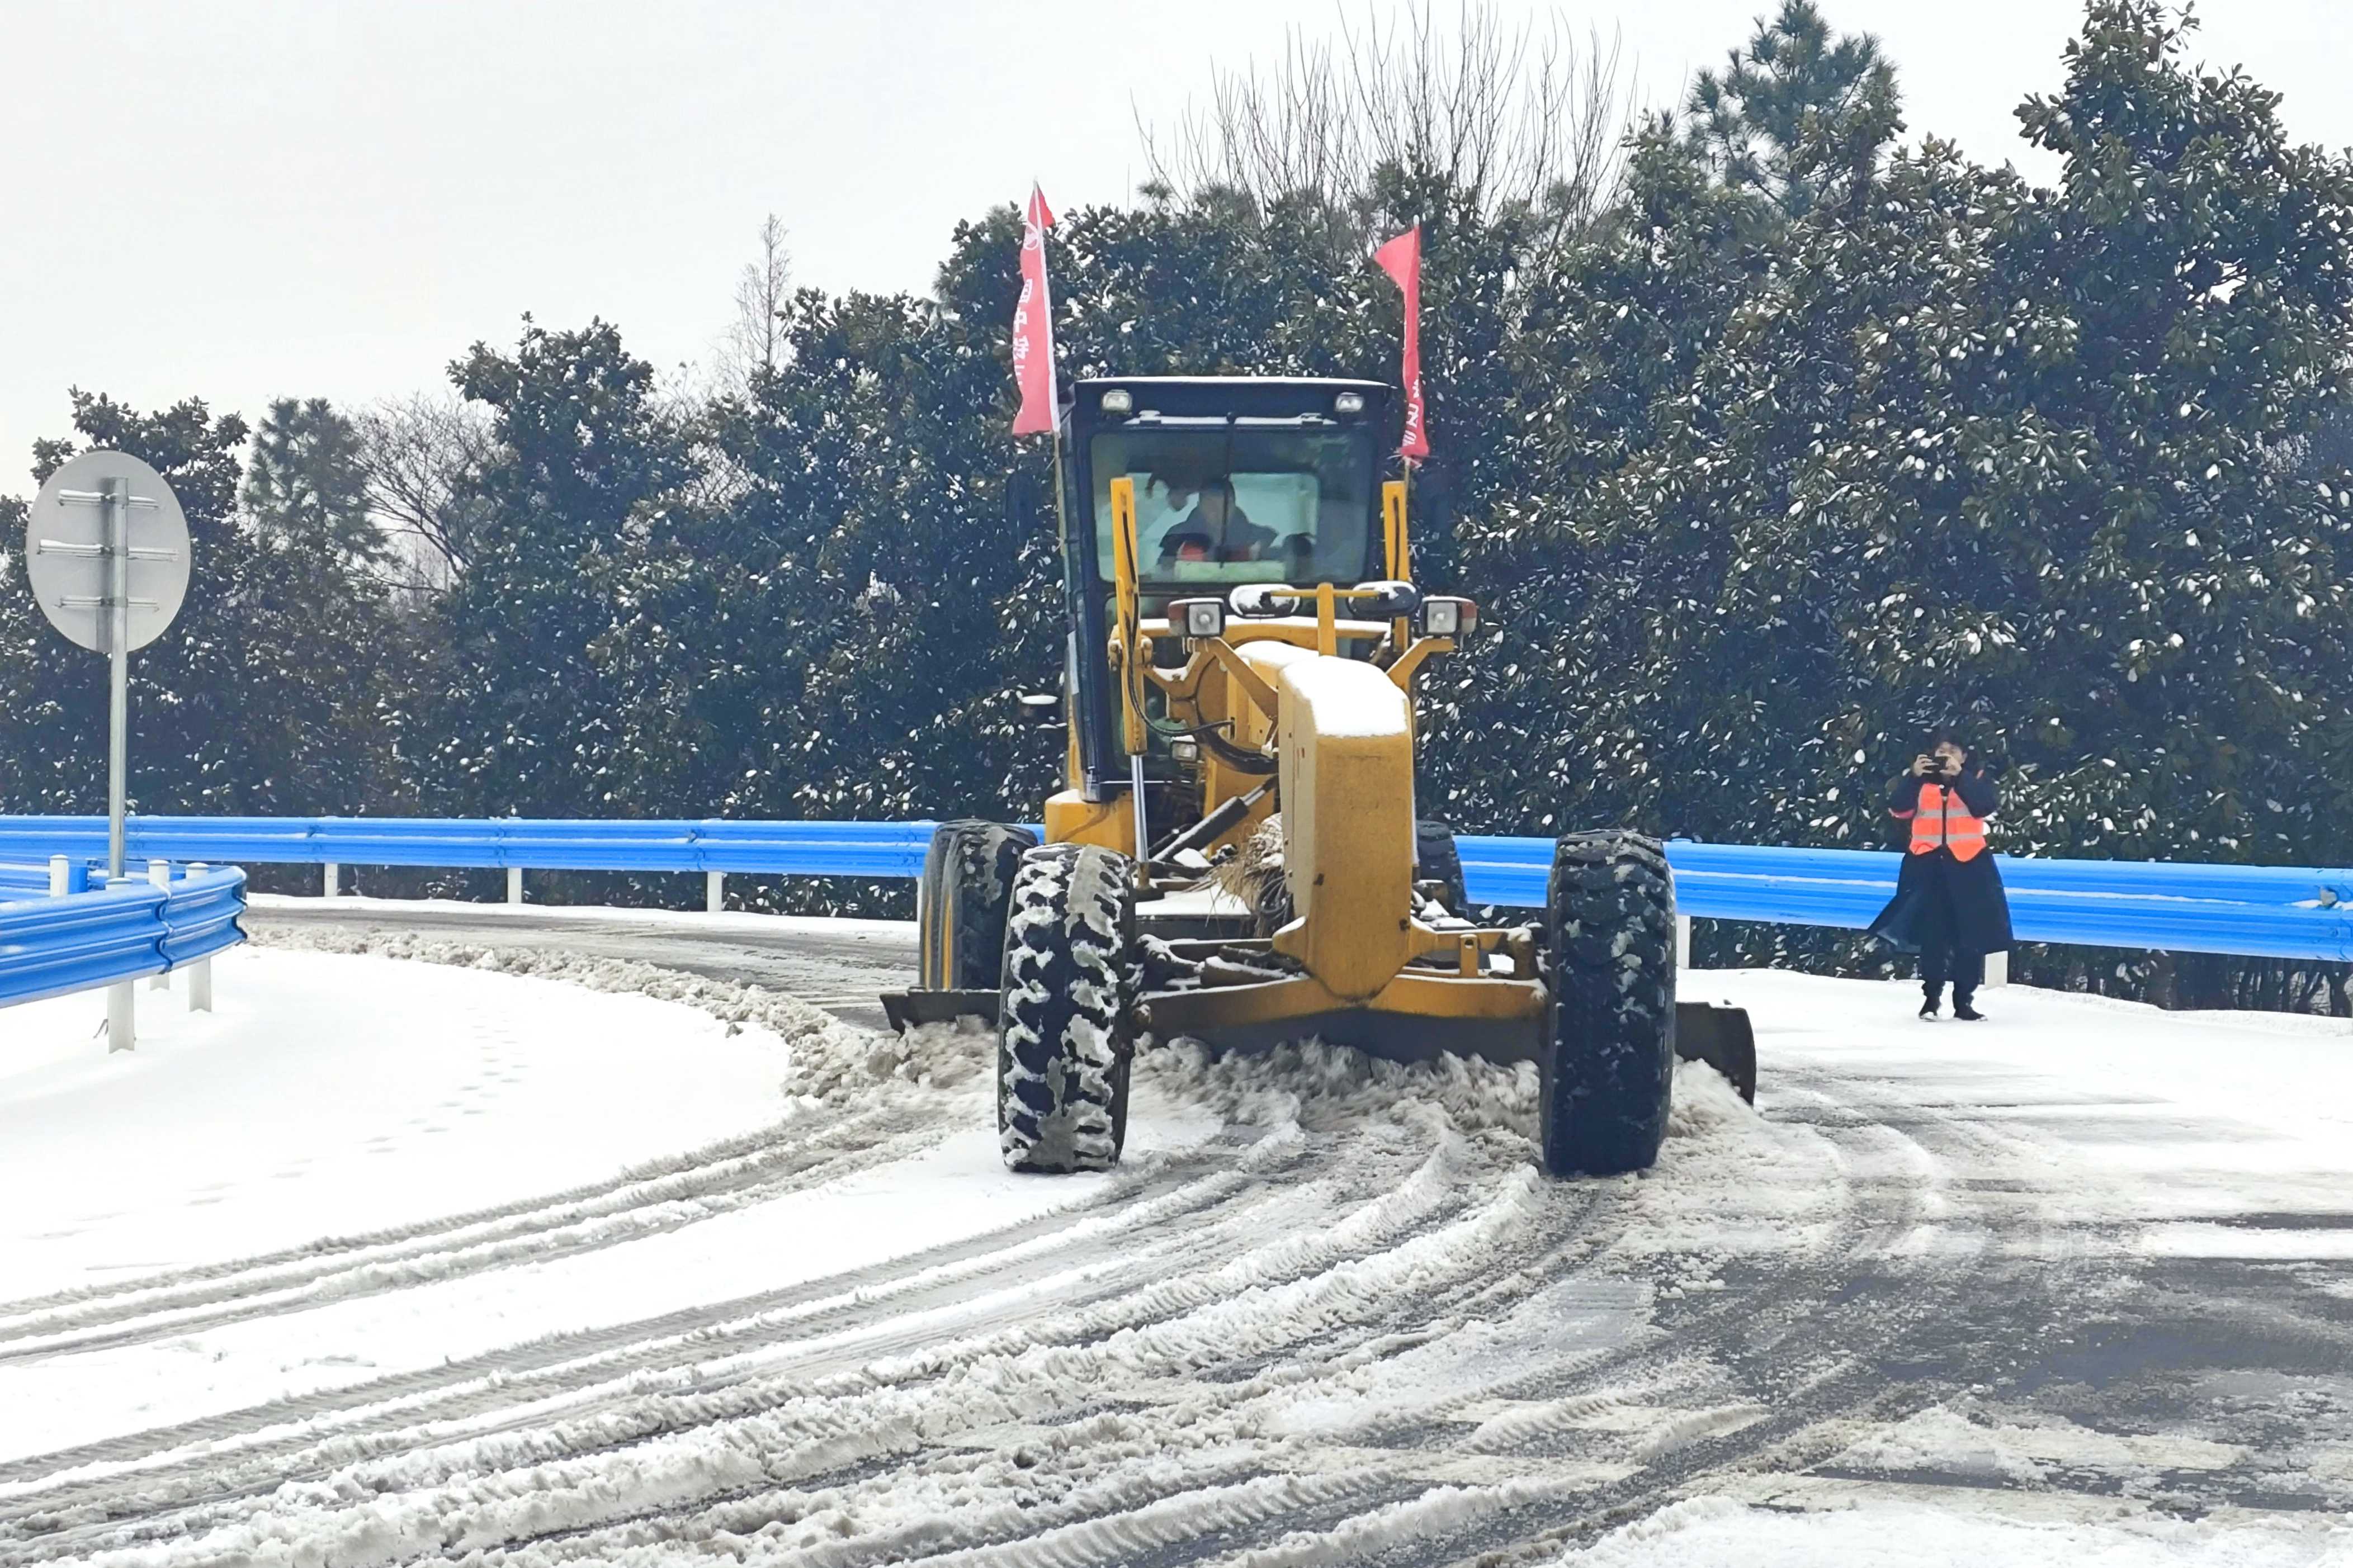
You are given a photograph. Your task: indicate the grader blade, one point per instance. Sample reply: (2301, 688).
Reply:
(1723, 1038)
(905, 1009)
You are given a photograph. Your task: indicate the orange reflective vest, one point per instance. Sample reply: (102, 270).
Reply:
(1941, 821)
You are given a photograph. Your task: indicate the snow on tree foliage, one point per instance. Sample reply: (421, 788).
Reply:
(1792, 444)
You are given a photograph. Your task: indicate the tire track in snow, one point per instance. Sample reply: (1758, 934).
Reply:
(1453, 1520)
(1234, 1381)
(1238, 1383)
(1373, 1506)
(1272, 1292)
(402, 1404)
(1173, 1286)
(1391, 1488)
(736, 1173)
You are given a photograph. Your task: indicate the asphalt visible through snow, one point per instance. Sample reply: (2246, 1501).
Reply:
(1993, 1274)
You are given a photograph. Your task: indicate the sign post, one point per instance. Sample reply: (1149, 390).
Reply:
(106, 549)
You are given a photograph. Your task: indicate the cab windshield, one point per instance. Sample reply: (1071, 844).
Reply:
(1230, 504)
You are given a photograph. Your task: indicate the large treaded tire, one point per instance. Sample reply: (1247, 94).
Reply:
(960, 904)
(1073, 965)
(1606, 1077)
(1435, 859)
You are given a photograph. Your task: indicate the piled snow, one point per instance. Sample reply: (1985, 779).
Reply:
(1968, 1441)
(1325, 1086)
(831, 1063)
(702, 923)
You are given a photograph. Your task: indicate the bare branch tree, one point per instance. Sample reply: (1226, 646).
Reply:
(756, 339)
(1502, 117)
(416, 454)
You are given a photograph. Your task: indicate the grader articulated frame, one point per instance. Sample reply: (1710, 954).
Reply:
(1235, 856)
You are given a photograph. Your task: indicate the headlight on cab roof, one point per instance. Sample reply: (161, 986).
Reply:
(1348, 403)
(1118, 400)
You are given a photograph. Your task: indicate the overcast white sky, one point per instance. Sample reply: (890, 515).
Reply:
(241, 200)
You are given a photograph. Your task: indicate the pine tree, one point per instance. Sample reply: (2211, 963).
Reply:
(306, 482)
(1801, 116)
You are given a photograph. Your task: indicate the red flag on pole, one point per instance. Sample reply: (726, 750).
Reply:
(1401, 259)
(1033, 325)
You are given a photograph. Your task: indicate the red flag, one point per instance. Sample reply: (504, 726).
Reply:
(1401, 259)
(1033, 325)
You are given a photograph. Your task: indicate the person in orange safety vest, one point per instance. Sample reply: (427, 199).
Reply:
(1949, 906)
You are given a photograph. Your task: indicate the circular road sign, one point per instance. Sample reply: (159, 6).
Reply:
(69, 553)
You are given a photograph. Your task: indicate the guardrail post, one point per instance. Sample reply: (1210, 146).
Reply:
(515, 884)
(714, 891)
(200, 972)
(159, 876)
(1997, 969)
(122, 1000)
(331, 882)
(60, 875)
(1683, 942)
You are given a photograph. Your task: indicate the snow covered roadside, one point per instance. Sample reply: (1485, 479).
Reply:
(1720, 1533)
(330, 1095)
(739, 922)
(504, 1157)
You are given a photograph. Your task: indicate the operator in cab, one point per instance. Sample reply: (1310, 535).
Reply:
(1217, 528)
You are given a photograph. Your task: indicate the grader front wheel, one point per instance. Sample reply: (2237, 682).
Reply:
(1072, 966)
(1607, 1071)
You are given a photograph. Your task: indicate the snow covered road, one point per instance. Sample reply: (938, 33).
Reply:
(2075, 1282)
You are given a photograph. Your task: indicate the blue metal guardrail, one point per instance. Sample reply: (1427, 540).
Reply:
(2258, 911)
(879, 849)
(49, 946)
(2267, 911)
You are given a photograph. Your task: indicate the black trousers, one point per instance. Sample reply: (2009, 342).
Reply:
(1939, 963)
(1942, 956)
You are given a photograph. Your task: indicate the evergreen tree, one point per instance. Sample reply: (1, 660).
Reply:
(277, 690)
(556, 698)
(1978, 452)
(1801, 116)
(306, 482)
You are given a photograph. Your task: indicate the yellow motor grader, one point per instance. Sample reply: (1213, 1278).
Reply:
(1236, 857)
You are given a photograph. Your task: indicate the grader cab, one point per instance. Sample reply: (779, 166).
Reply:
(1235, 856)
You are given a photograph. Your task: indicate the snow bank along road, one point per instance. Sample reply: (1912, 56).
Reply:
(604, 1249)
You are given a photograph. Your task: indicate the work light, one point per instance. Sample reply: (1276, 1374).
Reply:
(1348, 403)
(1199, 617)
(1449, 618)
(1118, 400)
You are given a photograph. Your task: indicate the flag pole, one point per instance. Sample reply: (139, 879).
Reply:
(1062, 522)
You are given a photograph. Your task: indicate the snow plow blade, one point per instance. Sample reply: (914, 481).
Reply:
(1722, 1037)
(905, 1009)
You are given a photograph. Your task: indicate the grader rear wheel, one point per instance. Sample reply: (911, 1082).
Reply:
(1435, 859)
(961, 901)
(1607, 1073)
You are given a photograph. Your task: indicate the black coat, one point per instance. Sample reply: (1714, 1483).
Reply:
(1940, 900)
